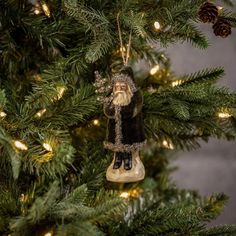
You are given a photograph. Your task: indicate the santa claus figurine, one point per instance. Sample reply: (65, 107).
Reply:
(125, 135)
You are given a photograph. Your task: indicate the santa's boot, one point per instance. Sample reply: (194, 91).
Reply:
(127, 161)
(118, 160)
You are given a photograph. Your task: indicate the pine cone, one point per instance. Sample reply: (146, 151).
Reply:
(222, 28)
(208, 13)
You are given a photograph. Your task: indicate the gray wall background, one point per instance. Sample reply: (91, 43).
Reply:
(212, 168)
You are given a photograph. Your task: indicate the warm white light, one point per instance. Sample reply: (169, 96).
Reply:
(151, 90)
(124, 195)
(37, 77)
(36, 11)
(47, 146)
(48, 234)
(2, 114)
(41, 112)
(46, 10)
(176, 83)
(224, 115)
(154, 70)
(96, 122)
(61, 91)
(167, 144)
(122, 49)
(157, 25)
(219, 8)
(20, 145)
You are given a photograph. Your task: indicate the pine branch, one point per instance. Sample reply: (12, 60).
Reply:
(79, 228)
(96, 23)
(15, 159)
(221, 230)
(37, 212)
(230, 16)
(93, 165)
(183, 216)
(229, 2)
(50, 164)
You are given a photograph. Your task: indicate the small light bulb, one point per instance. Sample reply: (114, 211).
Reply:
(41, 112)
(135, 193)
(36, 11)
(2, 114)
(96, 122)
(124, 195)
(224, 115)
(154, 70)
(176, 83)
(48, 234)
(46, 10)
(157, 25)
(20, 145)
(122, 49)
(151, 90)
(168, 145)
(219, 8)
(61, 91)
(24, 197)
(37, 77)
(47, 146)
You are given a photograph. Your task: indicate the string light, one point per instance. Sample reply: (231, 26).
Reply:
(154, 70)
(168, 145)
(41, 112)
(224, 115)
(46, 9)
(96, 122)
(24, 197)
(134, 193)
(122, 49)
(219, 8)
(47, 146)
(176, 83)
(2, 114)
(124, 195)
(20, 145)
(151, 90)
(157, 25)
(61, 91)
(36, 11)
(48, 234)
(37, 77)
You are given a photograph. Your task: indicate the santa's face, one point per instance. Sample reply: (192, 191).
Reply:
(122, 94)
(120, 87)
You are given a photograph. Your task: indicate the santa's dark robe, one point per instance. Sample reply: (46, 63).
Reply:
(125, 126)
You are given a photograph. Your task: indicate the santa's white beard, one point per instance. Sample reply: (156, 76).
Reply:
(122, 98)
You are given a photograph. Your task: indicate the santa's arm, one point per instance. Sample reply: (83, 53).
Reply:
(134, 107)
(109, 110)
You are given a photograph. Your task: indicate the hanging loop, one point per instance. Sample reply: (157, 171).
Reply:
(124, 57)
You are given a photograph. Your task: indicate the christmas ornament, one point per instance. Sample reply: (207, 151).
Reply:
(222, 28)
(208, 12)
(125, 135)
(125, 129)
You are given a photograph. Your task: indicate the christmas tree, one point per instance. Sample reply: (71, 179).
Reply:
(57, 62)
